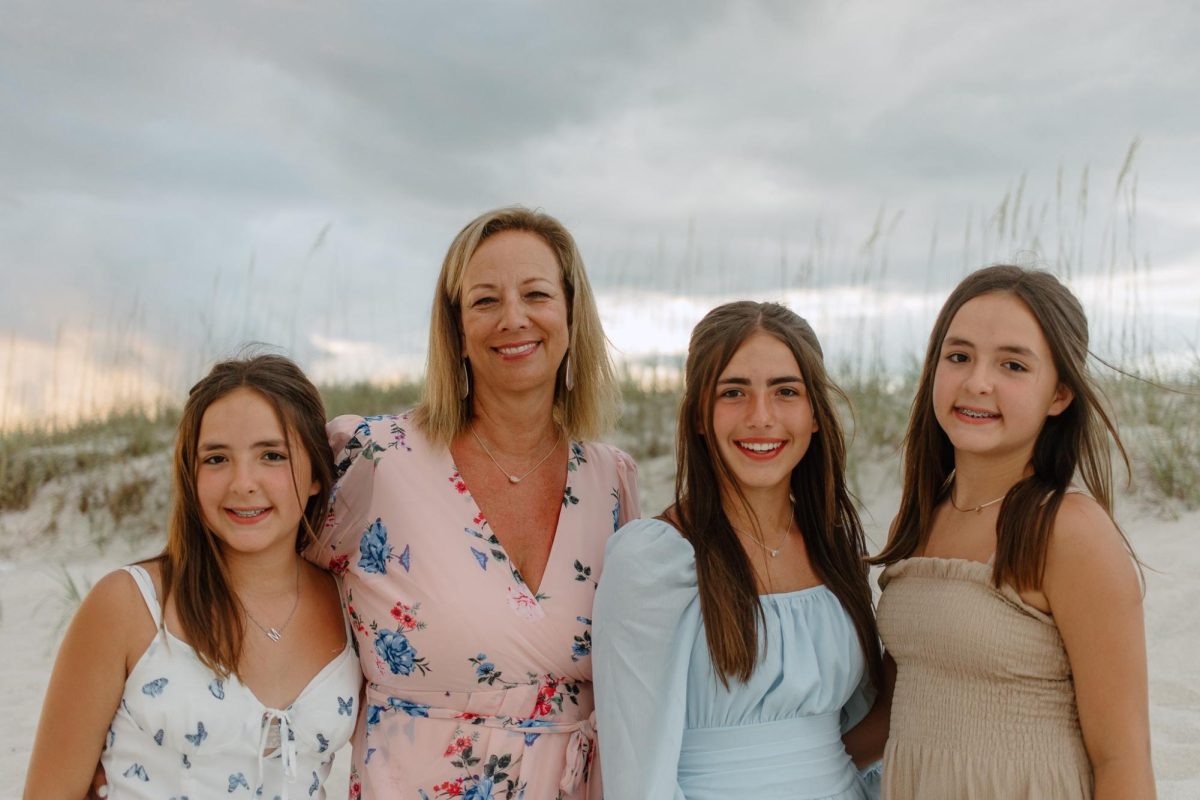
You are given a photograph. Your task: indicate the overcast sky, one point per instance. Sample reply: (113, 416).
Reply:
(178, 177)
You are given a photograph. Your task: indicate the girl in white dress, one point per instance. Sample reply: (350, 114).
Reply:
(222, 667)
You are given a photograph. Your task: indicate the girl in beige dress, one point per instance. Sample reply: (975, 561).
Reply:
(1011, 605)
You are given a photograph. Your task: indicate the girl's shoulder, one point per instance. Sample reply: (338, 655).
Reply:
(649, 552)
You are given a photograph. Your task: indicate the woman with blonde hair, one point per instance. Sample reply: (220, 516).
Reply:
(469, 533)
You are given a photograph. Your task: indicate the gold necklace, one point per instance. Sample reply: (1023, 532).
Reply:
(511, 477)
(783, 539)
(273, 633)
(977, 509)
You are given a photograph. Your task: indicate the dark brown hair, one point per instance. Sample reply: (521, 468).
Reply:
(1076, 440)
(193, 564)
(823, 510)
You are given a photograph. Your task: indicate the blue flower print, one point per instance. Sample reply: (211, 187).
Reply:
(155, 687)
(394, 648)
(408, 707)
(374, 714)
(375, 549)
(483, 668)
(238, 779)
(530, 738)
(480, 790)
(480, 557)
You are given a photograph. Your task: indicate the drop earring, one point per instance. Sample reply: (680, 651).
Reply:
(465, 383)
(569, 375)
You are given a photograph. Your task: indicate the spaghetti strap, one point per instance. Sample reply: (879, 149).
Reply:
(146, 586)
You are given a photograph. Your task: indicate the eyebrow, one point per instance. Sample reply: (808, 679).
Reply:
(207, 446)
(493, 286)
(770, 381)
(958, 341)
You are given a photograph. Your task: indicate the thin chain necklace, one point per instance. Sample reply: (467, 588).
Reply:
(783, 539)
(273, 633)
(513, 478)
(977, 509)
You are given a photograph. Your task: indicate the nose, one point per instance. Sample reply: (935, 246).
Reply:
(514, 315)
(760, 413)
(979, 380)
(245, 480)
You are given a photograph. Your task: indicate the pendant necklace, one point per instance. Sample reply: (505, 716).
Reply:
(513, 478)
(774, 551)
(273, 633)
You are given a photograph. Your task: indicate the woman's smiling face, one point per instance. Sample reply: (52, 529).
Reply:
(514, 313)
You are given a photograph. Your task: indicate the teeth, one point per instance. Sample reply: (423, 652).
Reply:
(761, 447)
(247, 514)
(977, 414)
(518, 350)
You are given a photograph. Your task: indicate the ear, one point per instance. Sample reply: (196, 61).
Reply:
(316, 487)
(1062, 399)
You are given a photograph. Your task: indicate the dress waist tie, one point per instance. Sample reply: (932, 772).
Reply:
(581, 743)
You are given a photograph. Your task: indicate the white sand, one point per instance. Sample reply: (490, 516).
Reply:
(31, 606)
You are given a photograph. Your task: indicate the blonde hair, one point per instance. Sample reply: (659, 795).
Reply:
(588, 409)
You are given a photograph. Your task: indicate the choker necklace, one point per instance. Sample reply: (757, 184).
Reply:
(513, 478)
(977, 509)
(273, 633)
(774, 551)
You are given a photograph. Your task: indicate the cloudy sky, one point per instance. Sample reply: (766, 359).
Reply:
(177, 178)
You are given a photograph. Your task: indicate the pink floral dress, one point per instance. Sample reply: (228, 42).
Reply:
(475, 687)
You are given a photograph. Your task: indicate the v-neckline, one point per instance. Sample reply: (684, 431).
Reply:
(517, 575)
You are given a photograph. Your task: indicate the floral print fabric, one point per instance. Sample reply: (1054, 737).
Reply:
(476, 687)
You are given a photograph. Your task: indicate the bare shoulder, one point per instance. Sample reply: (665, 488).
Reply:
(1087, 549)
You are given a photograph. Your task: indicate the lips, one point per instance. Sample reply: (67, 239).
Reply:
(760, 449)
(247, 516)
(516, 350)
(975, 415)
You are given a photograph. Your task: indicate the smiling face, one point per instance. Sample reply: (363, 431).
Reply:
(251, 487)
(762, 419)
(995, 382)
(514, 314)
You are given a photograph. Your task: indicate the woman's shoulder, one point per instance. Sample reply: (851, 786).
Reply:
(601, 451)
(352, 436)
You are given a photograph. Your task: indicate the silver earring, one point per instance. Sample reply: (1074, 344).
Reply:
(569, 375)
(465, 387)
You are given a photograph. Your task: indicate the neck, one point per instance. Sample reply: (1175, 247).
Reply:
(766, 513)
(518, 425)
(981, 480)
(264, 574)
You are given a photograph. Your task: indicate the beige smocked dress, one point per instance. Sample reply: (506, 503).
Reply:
(984, 705)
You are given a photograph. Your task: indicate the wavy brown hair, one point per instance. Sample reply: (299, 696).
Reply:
(585, 412)
(824, 508)
(1075, 441)
(193, 563)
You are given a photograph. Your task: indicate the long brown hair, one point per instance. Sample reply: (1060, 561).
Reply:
(193, 564)
(588, 409)
(1074, 441)
(823, 510)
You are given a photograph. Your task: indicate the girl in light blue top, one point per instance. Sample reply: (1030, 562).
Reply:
(735, 643)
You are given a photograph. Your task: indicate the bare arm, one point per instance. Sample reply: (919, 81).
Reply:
(85, 689)
(1093, 591)
(864, 742)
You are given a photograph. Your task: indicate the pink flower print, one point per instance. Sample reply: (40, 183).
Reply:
(459, 484)
(522, 602)
(338, 565)
(458, 745)
(479, 520)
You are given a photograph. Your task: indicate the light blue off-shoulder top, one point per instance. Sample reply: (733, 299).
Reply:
(667, 726)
